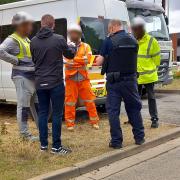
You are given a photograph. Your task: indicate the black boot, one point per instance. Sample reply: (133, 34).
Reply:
(155, 123)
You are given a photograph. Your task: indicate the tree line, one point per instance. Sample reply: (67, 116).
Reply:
(8, 1)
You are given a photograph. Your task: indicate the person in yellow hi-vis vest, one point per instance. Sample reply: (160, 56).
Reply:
(16, 50)
(149, 57)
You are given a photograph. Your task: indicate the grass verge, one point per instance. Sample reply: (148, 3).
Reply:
(20, 160)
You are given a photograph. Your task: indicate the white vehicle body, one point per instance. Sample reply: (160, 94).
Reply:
(70, 11)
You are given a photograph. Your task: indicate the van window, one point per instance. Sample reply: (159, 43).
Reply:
(95, 30)
(6, 30)
(61, 28)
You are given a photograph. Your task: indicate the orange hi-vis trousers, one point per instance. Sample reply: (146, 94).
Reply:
(83, 90)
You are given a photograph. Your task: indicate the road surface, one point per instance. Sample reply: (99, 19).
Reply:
(158, 163)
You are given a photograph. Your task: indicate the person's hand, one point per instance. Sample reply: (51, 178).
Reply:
(99, 60)
(71, 44)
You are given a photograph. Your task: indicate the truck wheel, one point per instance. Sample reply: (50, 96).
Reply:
(102, 108)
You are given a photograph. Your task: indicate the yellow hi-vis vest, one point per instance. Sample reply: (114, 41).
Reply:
(24, 46)
(149, 57)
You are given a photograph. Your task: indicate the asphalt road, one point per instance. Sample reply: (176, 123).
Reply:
(168, 108)
(163, 167)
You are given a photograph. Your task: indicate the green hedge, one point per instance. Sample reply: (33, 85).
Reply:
(8, 1)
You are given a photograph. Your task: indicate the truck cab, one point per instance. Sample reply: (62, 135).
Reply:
(156, 26)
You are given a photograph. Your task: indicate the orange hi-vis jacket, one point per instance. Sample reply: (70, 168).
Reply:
(80, 61)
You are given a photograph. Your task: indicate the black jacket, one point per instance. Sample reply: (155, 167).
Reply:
(47, 50)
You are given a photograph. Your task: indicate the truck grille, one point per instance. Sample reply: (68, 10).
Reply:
(163, 69)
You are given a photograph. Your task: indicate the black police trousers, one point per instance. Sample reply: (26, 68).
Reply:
(126, 89)
(151, 100)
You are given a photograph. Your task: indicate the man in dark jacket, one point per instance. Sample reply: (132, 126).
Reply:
(47, 50)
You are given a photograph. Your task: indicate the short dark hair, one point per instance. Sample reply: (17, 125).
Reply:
(115, 22)
(47, 21)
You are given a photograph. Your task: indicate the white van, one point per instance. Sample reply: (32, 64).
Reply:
(93, 15)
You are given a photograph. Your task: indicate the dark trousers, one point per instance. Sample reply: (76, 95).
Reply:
(128, 91)
(151, 99)
(56, 97)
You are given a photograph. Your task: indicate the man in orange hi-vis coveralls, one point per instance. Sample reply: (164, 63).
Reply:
(77, 81)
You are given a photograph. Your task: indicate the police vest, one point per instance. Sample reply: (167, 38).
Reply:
(123, 57)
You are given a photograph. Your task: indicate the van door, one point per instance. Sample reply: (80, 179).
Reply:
(8, 86)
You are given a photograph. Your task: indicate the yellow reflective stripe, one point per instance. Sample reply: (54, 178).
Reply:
(70, 103)
(93, 118)
(88, 101)
(74, 68)
(70, 120)
(147, 72)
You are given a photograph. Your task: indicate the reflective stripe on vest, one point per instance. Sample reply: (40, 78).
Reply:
(73, 68)
(24, 46)
(70, 103)
(147, 56)
(147, 72)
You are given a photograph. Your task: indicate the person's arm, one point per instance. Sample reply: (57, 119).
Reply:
(156, 52)
(7, 48)
(103, 53)
(69, 51)
(32, 51)
(89, 53)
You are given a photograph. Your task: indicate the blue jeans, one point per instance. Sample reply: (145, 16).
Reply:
(128, 92)
(56, 97)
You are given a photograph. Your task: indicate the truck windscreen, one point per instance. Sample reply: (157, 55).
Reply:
(155, 22)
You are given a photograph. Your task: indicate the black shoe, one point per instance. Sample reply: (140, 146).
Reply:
(115, 146)
(140, 142)
(61, 151)
(155, 124)
(44, 148)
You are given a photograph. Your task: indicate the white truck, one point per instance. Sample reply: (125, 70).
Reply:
(157, 26)
(93, 15)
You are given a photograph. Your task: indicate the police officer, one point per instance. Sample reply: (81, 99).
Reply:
(149, 56)
(119, 51)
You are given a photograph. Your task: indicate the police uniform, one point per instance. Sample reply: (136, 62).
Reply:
(120, 51)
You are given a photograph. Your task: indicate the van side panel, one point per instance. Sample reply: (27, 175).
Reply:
(116, 9)
(92, 8)
(59, 9)
(2, 97)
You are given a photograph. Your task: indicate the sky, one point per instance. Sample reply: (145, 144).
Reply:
(174, 16)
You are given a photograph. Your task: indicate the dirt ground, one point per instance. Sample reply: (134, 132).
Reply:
(20, 160)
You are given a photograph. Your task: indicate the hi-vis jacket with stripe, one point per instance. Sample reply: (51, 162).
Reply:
(149, 56)
(25, 66)
(80, 61)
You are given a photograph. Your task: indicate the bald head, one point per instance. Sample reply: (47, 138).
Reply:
(114, 26)
(48, 21)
